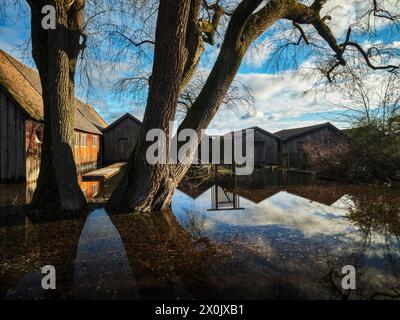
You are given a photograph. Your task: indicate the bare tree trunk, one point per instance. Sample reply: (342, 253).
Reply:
(151, 187)
(55, 53)
(46, 188)
(143, 183)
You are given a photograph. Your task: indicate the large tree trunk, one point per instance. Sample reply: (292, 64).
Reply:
(151, 187)
(143, 183)
(55, 53)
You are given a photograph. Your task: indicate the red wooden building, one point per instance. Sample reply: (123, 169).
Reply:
(21, 125)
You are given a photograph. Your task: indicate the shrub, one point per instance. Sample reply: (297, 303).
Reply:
(368, 155)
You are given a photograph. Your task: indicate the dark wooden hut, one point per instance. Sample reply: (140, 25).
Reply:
(120, 138)
(290, 149)
(265, 145)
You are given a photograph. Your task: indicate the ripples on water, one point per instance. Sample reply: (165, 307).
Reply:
(268, 236)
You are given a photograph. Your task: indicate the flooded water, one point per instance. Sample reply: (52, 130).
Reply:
(273, 235)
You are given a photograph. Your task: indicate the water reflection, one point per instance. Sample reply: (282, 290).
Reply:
(102, 257)
(102, 269)
(293, 237)
(280, 236)
(223, 199)
(21, 194)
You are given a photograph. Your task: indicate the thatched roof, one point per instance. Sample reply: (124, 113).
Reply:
(23, 85)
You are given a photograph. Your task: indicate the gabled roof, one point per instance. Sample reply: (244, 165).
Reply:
(256, 129)
(23, 85)
(119, 120)
(292, 133)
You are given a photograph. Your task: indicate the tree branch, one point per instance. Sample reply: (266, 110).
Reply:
(301, 14)
(382, 13)
(136, 44)
(302, 33)
(367, 59)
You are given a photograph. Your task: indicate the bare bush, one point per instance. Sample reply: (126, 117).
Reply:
(330, 158)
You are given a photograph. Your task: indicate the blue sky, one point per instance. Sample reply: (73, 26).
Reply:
(285, 96)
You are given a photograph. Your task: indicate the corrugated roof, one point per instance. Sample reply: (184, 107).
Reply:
(23, 84)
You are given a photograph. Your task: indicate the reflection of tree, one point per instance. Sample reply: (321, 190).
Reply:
(194, 224)
(166, 261)
(377, 217)
(30, 246)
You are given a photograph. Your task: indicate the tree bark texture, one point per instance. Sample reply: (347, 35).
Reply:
(144, 184)
(55, 53)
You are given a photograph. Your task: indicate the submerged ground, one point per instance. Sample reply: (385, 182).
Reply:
(272, 235)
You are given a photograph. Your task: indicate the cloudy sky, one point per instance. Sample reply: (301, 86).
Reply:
(283, 87)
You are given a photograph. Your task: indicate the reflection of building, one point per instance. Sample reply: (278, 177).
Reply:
(16, 194)
(327, 195)
(226, 192)
(21, 194)
(195, 187)
(222, 199)
(90, 188)
(258, 195)
(21, 124)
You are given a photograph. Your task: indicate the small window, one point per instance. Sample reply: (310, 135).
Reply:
(94, 142)
(76, 139)
(83, 140)
(94, 190)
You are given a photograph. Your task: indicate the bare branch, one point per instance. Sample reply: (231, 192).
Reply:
(302, 33)
(367, 59)
(136, 44)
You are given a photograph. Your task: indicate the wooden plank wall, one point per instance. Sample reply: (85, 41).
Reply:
(12, 140)
(270, 146)
(265, 148)
(87, 157)
(318, 136)
(120, 140)
(34, 139)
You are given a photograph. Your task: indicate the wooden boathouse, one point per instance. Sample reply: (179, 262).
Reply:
(21, 125)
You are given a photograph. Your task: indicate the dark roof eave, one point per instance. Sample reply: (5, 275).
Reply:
(309, 130)
(120, 119)
(257, 129)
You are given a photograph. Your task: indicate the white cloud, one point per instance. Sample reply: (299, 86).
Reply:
(349, 13)
(279, 99)
(293, 99)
